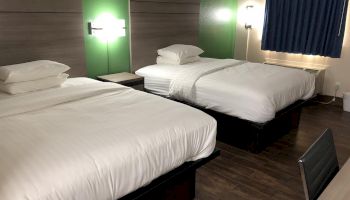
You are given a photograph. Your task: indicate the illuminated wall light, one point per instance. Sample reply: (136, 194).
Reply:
(249, 17)
(107, 28)
(223, 15)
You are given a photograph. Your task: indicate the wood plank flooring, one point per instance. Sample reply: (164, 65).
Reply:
(274, 173)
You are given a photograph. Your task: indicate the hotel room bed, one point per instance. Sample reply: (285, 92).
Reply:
(252, 92)
(94, 140)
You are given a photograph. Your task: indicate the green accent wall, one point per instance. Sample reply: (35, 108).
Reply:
(96, 52)
(217, 37)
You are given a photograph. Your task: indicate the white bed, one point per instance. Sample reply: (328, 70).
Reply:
(250, 91)
(91, 140)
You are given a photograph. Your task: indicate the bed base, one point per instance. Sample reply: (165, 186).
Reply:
(252, 136)
(177, 184)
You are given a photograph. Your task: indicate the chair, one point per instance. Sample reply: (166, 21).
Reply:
(318, 165)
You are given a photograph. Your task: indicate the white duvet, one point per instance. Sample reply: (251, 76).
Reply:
(251, 91)
(94, 141)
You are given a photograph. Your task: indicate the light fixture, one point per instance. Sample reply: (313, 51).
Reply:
(107, 28)
(223, 15)
(249, 16)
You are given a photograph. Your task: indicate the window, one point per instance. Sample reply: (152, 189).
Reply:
(312, 27)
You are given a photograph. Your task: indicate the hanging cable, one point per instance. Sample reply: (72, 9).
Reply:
(108, 62)
(331, 101)
(247, 45)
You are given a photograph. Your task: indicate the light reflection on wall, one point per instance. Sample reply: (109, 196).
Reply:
(223, 15)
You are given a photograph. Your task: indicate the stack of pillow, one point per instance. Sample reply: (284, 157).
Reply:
(32, 76)
(178, 54)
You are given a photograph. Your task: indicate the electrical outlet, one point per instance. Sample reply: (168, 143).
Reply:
(337, 85)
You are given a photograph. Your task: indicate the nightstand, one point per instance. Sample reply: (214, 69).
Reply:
(124, 78)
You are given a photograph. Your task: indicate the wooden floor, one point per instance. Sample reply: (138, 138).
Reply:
(272, 174)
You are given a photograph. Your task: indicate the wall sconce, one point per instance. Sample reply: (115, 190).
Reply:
(249, 16)
(107, 28)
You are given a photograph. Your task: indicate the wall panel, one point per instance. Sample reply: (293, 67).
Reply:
(101, 57)
(40, 32)
(40, 6)
(217, 34)
(158, 23)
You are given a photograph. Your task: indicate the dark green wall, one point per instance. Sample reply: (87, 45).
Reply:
(217, 37)
(96, 50)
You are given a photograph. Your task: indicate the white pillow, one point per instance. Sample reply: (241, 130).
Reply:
(30, 86)
(180, 51)
(31, 71)
(163, 60)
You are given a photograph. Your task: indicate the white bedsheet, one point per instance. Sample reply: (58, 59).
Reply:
(94, 141)
(158, 77)
(182, 87)
(250, 91)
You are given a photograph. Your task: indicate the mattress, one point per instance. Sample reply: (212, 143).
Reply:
(92, 140)
(157, 78)
(250, 91)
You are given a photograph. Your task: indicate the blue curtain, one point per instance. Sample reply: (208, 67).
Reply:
(313, 27)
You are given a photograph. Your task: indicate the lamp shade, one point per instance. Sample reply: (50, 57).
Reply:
(223, 14)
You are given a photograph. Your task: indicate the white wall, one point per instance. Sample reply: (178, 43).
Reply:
(338, 70)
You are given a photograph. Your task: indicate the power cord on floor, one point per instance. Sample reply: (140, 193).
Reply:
(331, 101)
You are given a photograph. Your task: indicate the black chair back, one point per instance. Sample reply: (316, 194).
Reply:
(319, 165)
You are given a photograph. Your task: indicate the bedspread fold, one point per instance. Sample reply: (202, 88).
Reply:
(182, 87)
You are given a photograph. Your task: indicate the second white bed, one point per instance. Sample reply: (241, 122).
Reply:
(250, 91)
